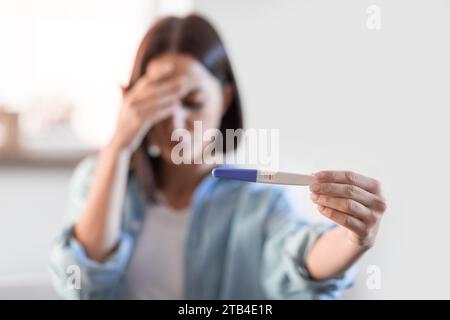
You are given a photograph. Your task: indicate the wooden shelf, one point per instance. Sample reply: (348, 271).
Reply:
(43, 159)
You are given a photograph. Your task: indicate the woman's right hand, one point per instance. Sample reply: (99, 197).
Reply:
(149, 101)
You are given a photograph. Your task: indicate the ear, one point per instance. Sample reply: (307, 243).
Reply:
(228, 95)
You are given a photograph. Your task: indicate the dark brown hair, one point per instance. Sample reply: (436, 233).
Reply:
(194, 36)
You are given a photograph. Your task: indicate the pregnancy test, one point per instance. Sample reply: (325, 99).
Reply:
(252, 175)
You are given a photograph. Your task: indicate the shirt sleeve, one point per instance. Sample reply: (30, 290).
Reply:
(289, 239)
(74, 274)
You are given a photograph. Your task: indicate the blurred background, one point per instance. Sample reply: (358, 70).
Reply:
(344, 95)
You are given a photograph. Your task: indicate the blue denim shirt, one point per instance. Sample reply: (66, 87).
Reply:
(245, 241)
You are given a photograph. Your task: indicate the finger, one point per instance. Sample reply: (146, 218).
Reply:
(345, 220)
(159, 72)
(155, 104)
(349, 191)
(348, 206)
(349, 177)
(178, 85)
(140, 86)
(154, 92)
(160, 114)
(164, 96)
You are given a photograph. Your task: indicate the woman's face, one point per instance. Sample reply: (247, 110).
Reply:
(202, 100)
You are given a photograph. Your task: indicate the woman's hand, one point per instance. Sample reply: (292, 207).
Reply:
(351, 200)
(150, 100)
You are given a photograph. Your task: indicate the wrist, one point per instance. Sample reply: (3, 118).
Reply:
(115, 149)
(115, 145)
(360, 244)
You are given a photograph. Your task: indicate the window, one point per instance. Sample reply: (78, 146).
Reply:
(76, 52)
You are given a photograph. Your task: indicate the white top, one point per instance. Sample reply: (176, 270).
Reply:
(157, 265)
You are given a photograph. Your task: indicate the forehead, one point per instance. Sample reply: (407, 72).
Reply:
(185, 65)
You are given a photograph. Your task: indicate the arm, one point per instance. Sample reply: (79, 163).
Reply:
(150, 100)
(289, 240)
(74, 274)
(355, 203)
(332, 254)
(98, 227)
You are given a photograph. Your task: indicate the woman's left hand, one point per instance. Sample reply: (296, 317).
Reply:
(352, 200)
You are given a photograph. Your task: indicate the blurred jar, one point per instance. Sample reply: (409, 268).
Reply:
(9, 131)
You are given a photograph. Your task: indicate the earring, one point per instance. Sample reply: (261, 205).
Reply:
(154, 151)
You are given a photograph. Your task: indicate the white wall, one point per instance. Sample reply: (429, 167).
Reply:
(345, 97)
(32, 207)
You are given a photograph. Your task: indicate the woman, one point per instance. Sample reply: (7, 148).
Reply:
(142, 226)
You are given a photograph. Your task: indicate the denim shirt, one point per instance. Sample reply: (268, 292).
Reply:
(245, 241)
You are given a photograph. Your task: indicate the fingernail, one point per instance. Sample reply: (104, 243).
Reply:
(314, 187)
(320, 207)
(314, 196)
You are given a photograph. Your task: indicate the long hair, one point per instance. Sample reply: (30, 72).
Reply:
(195, 36)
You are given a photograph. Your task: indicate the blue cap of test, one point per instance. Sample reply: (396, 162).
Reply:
(236, 174)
